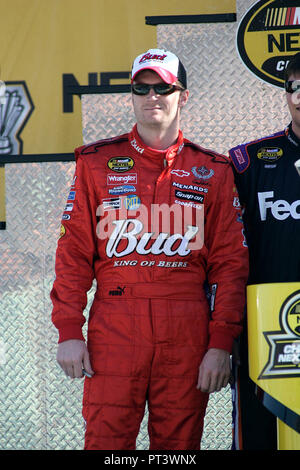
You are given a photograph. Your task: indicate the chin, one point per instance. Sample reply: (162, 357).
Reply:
(153, 121)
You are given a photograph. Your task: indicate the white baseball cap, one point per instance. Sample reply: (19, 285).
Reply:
(164, 63)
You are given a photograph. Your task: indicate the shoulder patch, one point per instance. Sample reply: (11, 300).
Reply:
(94, 146)
(240, 155)
(215, 157)
(240, 158)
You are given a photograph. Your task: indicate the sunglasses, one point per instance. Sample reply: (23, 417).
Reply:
(143, 89)
(292, 85)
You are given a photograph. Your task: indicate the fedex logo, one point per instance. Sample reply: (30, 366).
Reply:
(280, 209)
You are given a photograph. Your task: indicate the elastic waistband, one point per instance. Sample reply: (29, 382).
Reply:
(151, 290)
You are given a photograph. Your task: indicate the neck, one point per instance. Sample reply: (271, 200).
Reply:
(159, 139)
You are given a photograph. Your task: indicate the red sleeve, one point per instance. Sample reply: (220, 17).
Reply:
(75, 254)
(227, 264)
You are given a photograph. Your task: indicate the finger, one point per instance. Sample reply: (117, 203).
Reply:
(226, 381)
(217, 382)
(204, 383)
(87, 365)
(64, 367)
(221, 382)
(214, 385)
(200, 378)
(69, 371)
(77, 369)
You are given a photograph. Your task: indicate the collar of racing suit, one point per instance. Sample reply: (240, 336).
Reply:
(168, 154)
(294, 140)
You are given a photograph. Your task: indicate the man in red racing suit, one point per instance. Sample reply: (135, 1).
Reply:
(150, 324)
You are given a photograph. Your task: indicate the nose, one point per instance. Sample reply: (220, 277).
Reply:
(152, 93)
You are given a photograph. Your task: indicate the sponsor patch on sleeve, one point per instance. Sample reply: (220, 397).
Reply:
(62, 231)
(239, 158)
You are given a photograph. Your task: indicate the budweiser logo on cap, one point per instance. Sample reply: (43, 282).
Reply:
(149, 56)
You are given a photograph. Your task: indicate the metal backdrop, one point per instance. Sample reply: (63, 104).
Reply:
(40, 408)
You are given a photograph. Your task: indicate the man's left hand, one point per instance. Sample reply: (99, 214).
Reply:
(214, 371)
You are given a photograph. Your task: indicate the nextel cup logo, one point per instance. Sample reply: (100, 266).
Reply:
(284, 345)
(15, 109)
(268, 35)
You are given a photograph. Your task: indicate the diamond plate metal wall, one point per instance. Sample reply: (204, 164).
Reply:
(39, 407)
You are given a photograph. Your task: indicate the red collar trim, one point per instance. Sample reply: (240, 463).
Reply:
(142, 149)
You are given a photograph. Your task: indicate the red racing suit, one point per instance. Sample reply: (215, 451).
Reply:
(150, 323)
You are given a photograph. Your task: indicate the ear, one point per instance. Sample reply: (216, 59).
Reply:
(184, 95)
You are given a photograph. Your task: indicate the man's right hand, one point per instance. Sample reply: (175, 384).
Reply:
(73, 357)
